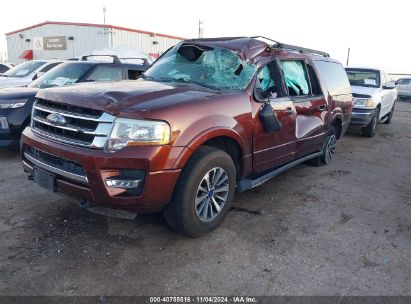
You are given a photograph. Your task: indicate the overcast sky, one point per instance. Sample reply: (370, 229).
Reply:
(377, 31)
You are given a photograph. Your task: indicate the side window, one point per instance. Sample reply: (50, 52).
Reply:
(315, 84)
(133, 74)
(295, 77)
(106, 73)
(49, 67)
(267, 82)
(334, 77)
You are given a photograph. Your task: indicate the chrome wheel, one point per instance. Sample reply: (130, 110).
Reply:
(212, 194)
(330, 148)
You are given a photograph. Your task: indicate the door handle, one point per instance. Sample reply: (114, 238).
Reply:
(322, 108)
(289, 111)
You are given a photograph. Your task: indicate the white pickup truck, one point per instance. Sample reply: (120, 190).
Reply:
(374, 98)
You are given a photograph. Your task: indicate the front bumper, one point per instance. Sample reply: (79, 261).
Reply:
(157, 163)
(361, 117)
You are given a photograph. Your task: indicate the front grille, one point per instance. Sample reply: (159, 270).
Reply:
(82, 126)
(52, 161)
(360, 95)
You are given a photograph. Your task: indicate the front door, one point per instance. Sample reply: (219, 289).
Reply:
(274, 148)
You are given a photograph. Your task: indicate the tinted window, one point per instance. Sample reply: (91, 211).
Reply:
(334, 77)
(106, 73)
(49, 67)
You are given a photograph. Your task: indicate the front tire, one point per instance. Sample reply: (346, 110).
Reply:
(370, 129)
(203, 194)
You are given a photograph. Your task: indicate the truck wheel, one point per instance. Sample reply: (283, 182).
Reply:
(328, 149)
(388, 121)
(369, 130)
(203, 194)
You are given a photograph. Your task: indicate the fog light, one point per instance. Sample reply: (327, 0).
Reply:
(3, 123)
(116, 182)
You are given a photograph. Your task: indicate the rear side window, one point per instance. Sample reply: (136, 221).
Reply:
(106, 73)
(334, 77)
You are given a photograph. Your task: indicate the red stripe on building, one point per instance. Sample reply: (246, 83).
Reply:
(96, 25)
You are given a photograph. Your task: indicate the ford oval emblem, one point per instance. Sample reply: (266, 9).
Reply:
(56, 119)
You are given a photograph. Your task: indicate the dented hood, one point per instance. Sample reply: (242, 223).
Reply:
(126, 96)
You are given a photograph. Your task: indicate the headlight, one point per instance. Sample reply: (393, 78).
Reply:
(364, 102)
(13, 104)
(132, 132)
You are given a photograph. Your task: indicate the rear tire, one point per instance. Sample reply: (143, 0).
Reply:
(328, 149)
(203, 194)
(370, 129)
(390, 115)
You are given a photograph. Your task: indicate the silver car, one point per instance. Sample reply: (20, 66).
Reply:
(404, 88)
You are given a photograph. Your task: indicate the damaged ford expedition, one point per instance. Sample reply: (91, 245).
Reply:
(211, 117)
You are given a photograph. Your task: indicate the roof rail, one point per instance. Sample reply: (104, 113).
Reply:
(115, 57)
(299, 49)
(266, 38)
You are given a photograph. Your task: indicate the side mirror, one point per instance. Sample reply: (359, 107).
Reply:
(389, 85)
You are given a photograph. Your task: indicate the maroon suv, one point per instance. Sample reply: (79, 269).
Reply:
(209, 118)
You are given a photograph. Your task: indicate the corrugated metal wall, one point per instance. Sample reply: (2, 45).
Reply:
(86, 39)
(145, 43)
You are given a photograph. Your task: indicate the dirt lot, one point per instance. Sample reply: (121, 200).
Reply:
(341, 229)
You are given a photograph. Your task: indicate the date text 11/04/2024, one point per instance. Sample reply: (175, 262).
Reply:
(240, 299)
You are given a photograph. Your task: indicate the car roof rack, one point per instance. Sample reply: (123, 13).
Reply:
(115, 57)
(145, 61)
(299, 49)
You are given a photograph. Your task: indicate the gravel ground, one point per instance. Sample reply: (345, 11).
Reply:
(341, 229)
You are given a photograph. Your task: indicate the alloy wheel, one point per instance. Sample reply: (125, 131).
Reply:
(330, 148)
(212, 194)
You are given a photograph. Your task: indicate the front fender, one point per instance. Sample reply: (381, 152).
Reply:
(212, 127)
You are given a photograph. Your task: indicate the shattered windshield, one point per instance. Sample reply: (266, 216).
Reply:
(65, 74)
(215, 68)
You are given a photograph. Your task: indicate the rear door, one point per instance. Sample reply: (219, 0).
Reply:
(311, 106)
(272, 149)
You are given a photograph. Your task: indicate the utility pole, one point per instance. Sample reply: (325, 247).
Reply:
(104, 16)
(348, 56)
(200, 29)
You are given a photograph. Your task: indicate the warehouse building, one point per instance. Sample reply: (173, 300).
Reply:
(66, 40)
